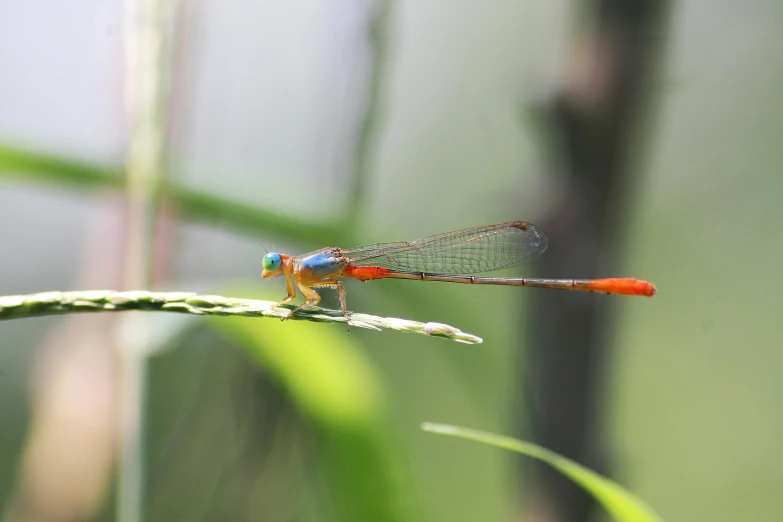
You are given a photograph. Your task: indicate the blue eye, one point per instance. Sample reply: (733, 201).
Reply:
(271, 261)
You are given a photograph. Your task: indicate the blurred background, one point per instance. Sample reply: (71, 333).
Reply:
(644, 137)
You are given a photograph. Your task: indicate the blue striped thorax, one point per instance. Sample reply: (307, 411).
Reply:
(322, 264)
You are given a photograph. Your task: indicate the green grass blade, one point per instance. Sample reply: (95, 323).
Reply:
(25, 165)
(621, 504)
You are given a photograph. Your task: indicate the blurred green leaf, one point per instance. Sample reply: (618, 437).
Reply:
(26, 165)
(623, 505)
(335, 387)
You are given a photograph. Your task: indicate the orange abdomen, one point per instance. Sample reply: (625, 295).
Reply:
(620, 285)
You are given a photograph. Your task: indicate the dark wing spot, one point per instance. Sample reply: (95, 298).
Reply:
(521, 225)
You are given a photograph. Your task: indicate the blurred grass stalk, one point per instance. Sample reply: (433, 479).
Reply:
(366, 139)
(148, 34)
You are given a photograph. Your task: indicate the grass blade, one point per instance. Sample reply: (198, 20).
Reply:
(621, 504)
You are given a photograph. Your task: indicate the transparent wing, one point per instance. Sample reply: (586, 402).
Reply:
(469, 251)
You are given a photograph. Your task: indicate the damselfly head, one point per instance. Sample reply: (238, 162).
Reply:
(272, 263)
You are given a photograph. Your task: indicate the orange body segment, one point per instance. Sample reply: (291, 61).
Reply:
(620, 286)
(365, 273)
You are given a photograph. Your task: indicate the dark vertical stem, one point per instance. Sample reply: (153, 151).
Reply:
(594, 123)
